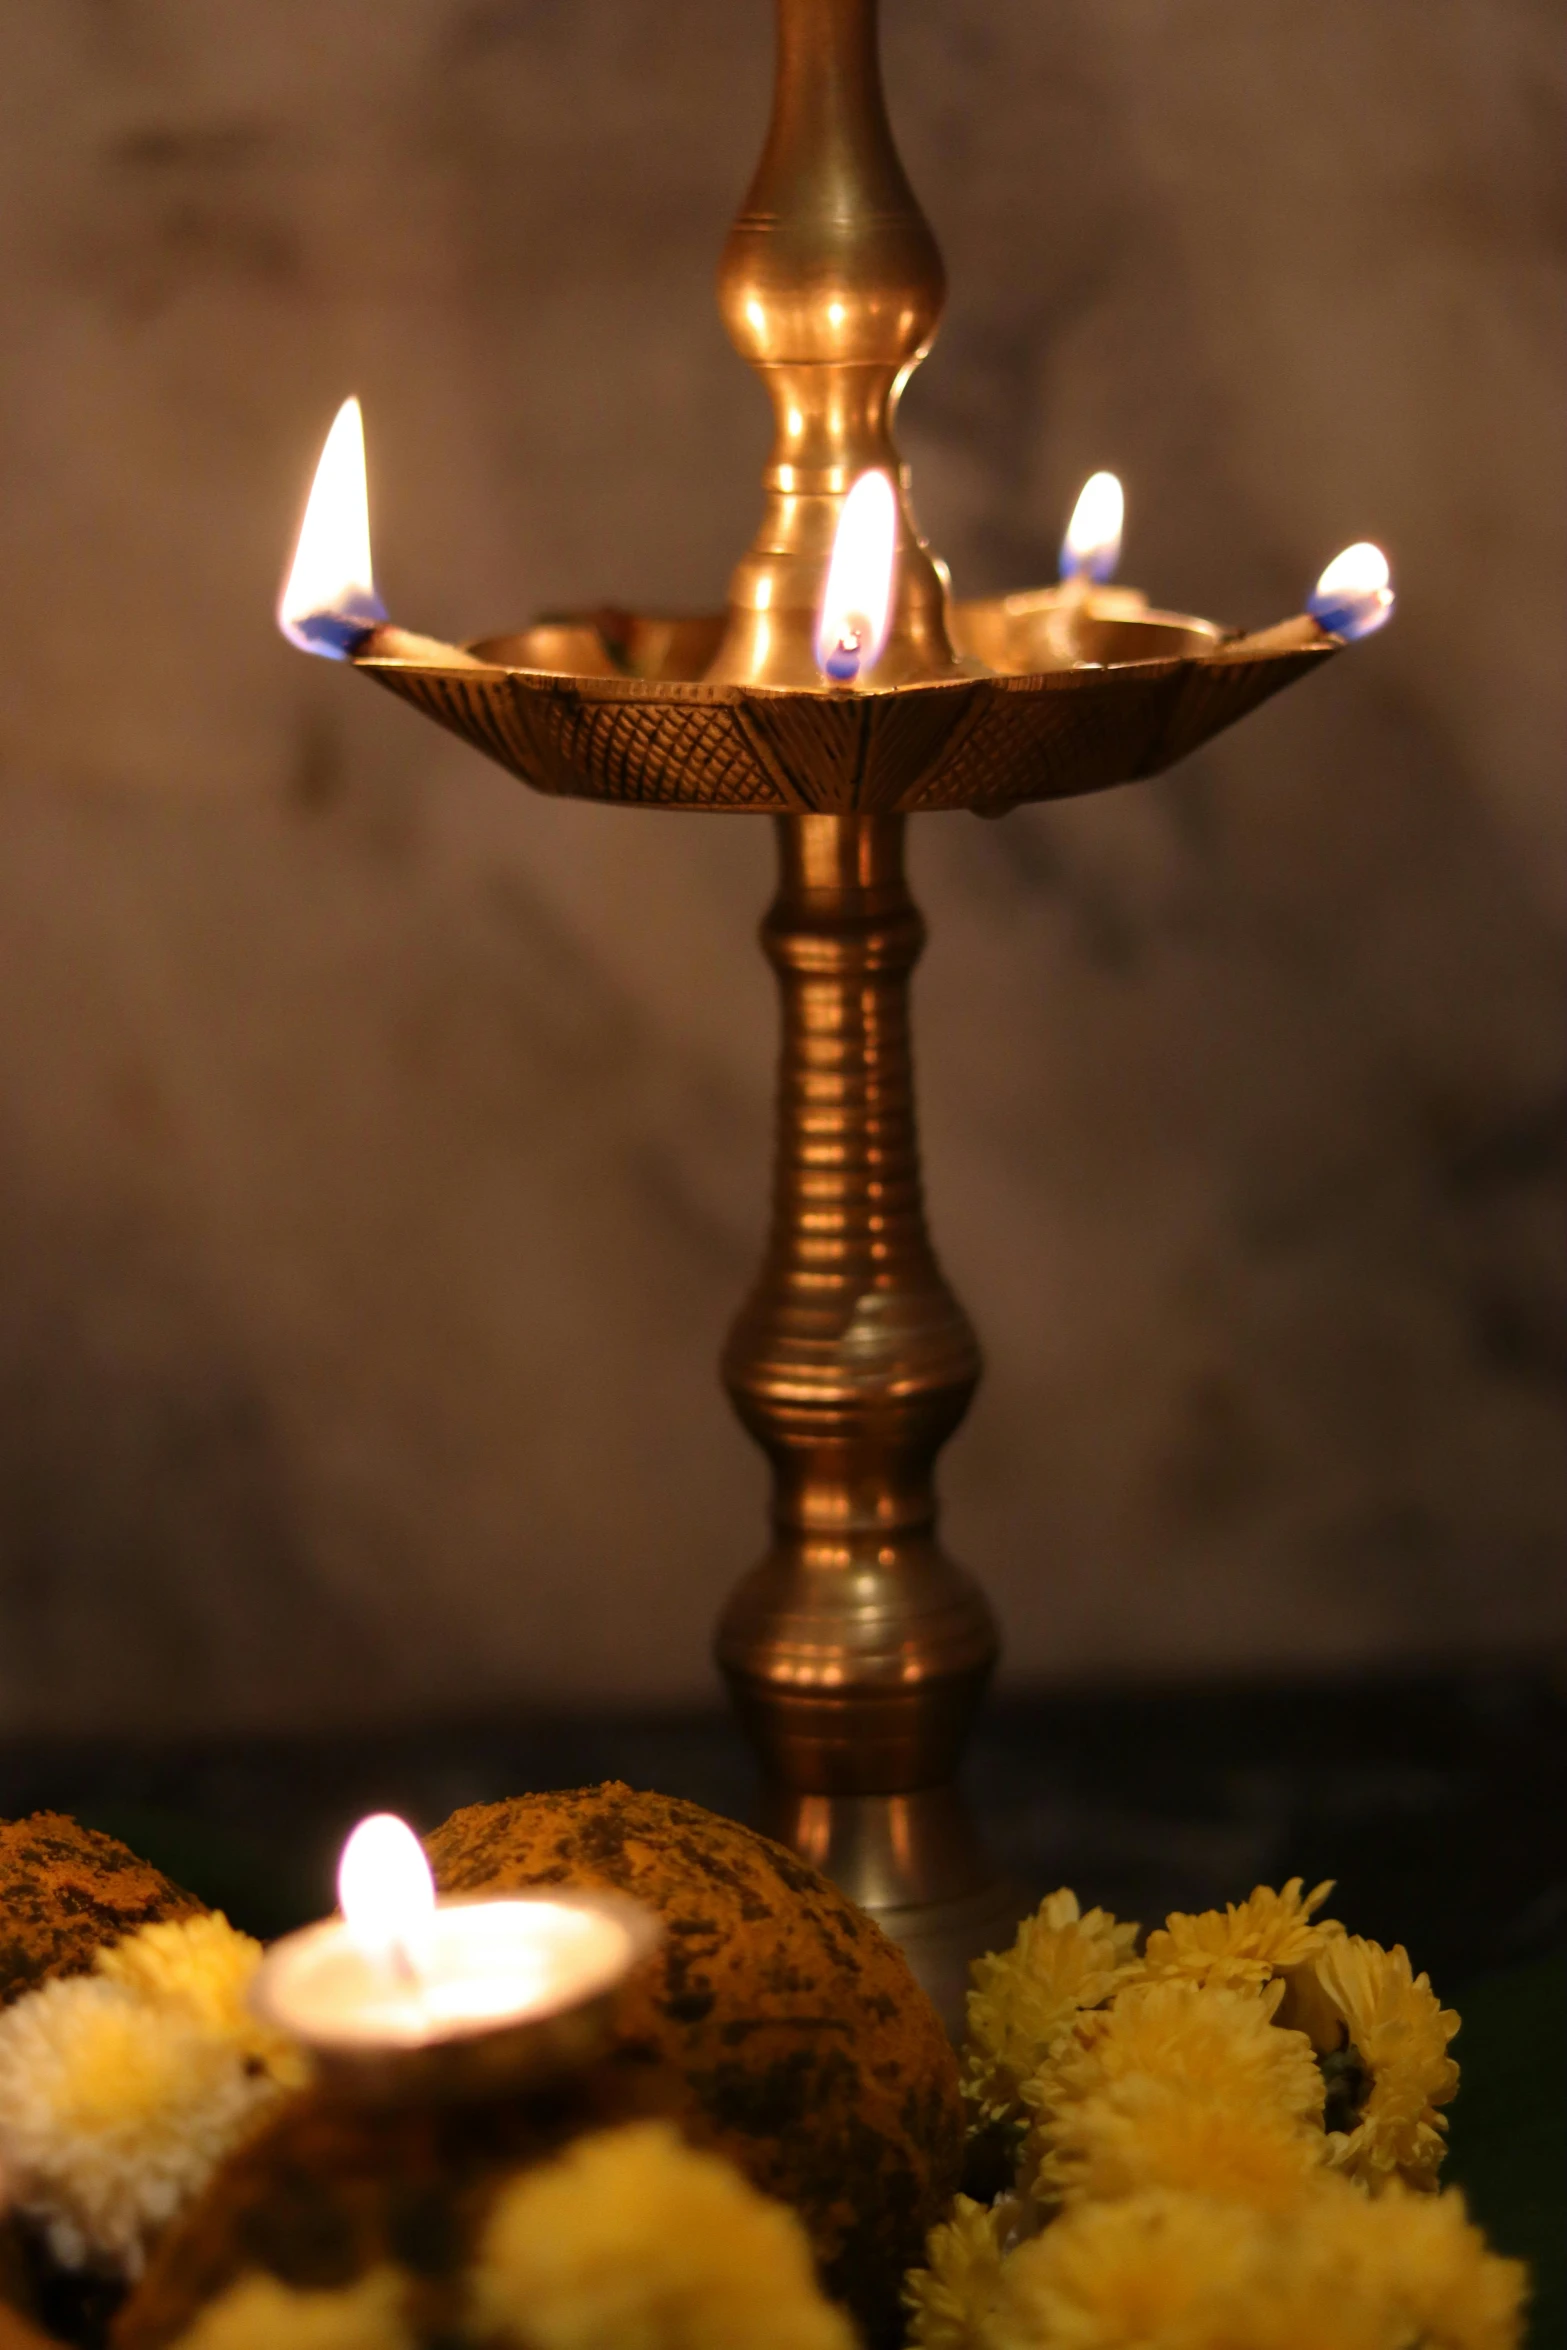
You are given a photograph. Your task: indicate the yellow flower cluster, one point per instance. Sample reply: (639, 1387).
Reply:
(1396, 2037)
(1175, 2267)
(1025, 1999)
(634, 2241)
(121, 2090)
(630, 2240)
(1232, 2144)
(259, 2313)
(1247, 1943)
(953, 2298)
(1175, 2085)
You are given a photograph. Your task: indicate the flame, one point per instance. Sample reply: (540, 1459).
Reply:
(385, 1890)
(329, 600)
(1092, 546)
(851, 628)
(1354, 596)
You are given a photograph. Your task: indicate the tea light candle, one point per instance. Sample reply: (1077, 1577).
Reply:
(401, 1989)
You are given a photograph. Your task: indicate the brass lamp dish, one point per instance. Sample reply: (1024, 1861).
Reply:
(619, 709)
(856, 1651)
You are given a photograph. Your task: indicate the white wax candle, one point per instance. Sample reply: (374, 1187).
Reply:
(397, 1971)
(479, 1966)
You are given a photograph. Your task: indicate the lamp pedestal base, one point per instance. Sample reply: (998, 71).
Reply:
(917, 1865)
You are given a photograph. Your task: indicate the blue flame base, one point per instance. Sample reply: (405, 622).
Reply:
(1351, 617)
(336, 635)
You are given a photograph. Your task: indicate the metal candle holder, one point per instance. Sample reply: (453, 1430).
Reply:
(856, 1651)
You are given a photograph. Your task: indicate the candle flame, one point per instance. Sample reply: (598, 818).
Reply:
(385, 1890)
(329, 600)
(1092, 546)
(1354, 596)
(856, 611)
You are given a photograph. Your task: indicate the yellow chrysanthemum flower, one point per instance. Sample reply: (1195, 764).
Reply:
(1419, 2262)
(1191, 2272)
(205, 1964)
(1141, 2132)
(1245, 1944)
(1221, 2045)
(634, 2241)
(1307, 2008)
(259, 2313)
(950, 2298)
(1397, 2037)
(1025, 1998)
(1176, 2271)
(122, 2090)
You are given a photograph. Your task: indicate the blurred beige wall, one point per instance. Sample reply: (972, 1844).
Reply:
(382, 1151)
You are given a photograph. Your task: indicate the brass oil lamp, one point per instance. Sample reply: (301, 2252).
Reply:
(856, 1650)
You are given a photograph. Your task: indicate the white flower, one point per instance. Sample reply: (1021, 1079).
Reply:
(121, 2091)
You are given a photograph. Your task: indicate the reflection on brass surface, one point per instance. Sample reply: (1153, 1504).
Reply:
(987, 743)
(904, 1849)
(856, 1650)
(831, 286)
(1054, 627)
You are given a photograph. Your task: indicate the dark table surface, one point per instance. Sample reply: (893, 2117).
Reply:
(1439, 1803)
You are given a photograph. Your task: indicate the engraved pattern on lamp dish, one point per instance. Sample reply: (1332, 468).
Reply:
(989, 743)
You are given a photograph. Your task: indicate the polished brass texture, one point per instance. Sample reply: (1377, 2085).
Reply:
(831, 286)
(856, 1650)
(660, 739)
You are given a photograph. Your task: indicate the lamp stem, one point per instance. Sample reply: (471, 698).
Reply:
(856, 1651)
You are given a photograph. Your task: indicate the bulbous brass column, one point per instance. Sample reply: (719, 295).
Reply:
(856, 1651)
(831, 286)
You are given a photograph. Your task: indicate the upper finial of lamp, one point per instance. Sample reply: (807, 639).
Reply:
(831, 286)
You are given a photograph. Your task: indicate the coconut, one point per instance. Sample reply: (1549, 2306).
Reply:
(328, 2192)
(65, 1891)
(18, 2333)
(798, 2041)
